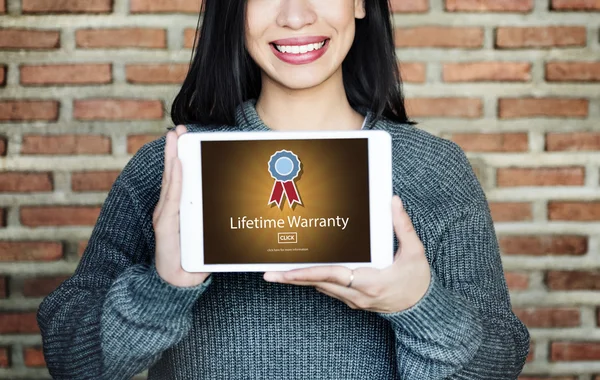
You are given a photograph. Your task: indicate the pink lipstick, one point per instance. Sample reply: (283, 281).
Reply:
(300, 50)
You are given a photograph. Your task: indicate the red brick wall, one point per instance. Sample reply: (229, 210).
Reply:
(516, 83)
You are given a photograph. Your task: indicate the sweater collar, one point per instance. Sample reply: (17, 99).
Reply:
(248, 119)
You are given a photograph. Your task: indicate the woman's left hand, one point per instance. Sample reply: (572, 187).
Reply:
(388, 290)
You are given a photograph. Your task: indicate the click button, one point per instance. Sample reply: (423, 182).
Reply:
(287, 237)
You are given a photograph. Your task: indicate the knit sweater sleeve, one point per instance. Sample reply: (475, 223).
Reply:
(115, 315)
(463, 327)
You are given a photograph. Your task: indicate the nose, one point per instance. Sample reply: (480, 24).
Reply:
(296, 14)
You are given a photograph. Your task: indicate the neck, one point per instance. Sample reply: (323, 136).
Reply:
(324, 107)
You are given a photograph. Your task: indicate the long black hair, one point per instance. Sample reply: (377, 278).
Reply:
(222, 75)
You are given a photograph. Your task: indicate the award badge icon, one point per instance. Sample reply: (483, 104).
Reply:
(284, 167)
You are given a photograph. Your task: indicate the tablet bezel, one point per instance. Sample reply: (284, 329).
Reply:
(191, 216)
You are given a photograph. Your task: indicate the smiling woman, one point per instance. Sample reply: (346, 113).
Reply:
(440, 311)
(245, 46)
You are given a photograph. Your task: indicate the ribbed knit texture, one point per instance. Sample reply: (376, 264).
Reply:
(116, 317)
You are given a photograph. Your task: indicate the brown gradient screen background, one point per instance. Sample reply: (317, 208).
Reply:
(333, 181)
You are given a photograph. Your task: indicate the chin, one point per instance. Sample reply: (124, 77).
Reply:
(300, 79)
(299, 84)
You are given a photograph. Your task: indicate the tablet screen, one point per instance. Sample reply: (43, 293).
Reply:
(285, 201)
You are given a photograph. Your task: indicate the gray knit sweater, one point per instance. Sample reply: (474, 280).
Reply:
(115, 317)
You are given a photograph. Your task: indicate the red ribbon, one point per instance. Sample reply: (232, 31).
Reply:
(289, 189)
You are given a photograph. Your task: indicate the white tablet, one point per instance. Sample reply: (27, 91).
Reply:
(263, 201)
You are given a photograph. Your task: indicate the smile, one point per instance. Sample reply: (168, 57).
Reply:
(300, 50)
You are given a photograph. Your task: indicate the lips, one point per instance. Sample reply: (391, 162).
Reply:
(300, 50)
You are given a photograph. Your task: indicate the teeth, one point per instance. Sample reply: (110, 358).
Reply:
(300, 49)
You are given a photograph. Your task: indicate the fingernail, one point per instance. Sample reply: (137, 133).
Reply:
(271, 277)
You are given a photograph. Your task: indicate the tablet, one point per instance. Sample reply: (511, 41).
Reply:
(263, 201)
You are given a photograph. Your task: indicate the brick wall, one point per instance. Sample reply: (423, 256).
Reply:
(83, 84)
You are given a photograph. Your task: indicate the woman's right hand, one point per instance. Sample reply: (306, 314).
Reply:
(165, 219)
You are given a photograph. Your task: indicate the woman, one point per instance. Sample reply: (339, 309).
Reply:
(442, 309)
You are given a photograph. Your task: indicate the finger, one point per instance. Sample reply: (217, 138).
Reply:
(171, 206)
(170, 140)
(367, 281)
(180, 129)
(364, 277)
(327, 273)
(345, 292)
(170, 152)
(349, 294)
(403, 227)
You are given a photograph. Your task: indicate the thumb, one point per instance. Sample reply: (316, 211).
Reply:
(173, 195)
(403, 227)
